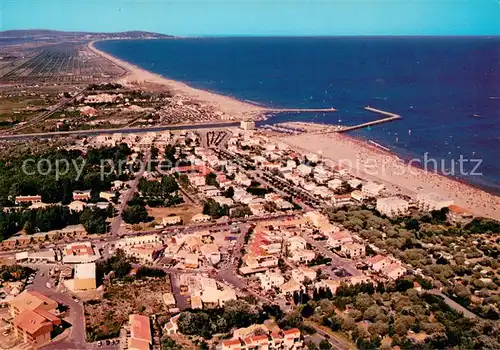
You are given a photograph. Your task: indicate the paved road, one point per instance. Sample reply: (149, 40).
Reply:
(180, 299)
(117, 222)
(346, 264)
(454, 305)
(320, 335)
(130, 130)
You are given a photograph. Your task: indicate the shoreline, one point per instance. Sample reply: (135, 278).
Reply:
(371, 163)
(239, 110)
(464, 193)
(408, 162)
(383, 150)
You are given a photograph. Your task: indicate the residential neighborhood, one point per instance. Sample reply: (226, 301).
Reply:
(230, 239)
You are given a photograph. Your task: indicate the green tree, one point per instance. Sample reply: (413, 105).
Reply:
(229, 193)
(214, 209)
(135, 214)
(307, 310)
(325, 345)
(211, 179)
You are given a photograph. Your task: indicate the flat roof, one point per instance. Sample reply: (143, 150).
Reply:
(85, 271)
(30, 300)
(140, 328)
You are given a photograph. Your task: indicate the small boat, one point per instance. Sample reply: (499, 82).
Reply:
(409, 131)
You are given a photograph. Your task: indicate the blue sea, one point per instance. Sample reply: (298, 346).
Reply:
(447, 89)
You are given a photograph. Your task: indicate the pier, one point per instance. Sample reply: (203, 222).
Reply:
(389, 117)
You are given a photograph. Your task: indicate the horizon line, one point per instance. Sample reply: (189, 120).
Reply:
(255, 35)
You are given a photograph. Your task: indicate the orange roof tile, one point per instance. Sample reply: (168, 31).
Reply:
(342, 196)
(291, 331)
(459, 210)
(231, 342)
(276, 335)
(48, 315)
(31, 322)
(30, 300)
(258, 338)
(375, 259)
(80, 249)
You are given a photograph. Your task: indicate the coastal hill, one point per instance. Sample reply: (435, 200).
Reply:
(45, 34)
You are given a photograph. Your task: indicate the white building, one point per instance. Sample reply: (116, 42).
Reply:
(432, 201)
(269, 280)
(332, 285)
(171, 220)
(296, 242)
(257, 263)
(290, 287)
(372, 189)
(148, 252)
(213, 292)
(198, 218)
(223, 200)
(393, 271)
(137, 240)
(85, 277)
(334, 184)
(303, 272)
(247, 125)
(392, 206)
(340, 200)
(301, 256)
(242, 180)
(81, 252)
(77, 206)
(353, 250)
(304, 169)
(338, 239)
(211, 253)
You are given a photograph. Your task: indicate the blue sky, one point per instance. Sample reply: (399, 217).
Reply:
(258, 17)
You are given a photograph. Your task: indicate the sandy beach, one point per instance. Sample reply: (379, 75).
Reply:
(368, 162)
(230, 106)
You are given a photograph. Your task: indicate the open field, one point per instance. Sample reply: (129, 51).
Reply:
(20, 105)
(105, 317)
(67, 63)
(185, 211)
